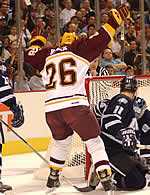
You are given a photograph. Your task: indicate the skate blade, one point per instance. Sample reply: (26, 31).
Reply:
(49, 190)
(9, 192)
(110, 192)
(84, 189)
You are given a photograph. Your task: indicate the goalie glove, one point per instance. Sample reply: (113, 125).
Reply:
(129, 140)
(18, 118)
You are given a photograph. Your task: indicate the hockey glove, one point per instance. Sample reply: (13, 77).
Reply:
(18, 118)
(128, 139)
(117, 15)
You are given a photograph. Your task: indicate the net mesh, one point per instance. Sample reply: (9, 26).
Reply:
(106, 87)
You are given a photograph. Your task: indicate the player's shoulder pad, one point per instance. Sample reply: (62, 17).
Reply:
(123, 99)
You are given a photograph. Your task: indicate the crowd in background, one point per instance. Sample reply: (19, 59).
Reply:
(77, 19)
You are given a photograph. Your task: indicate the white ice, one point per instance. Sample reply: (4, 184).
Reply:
(18, 171)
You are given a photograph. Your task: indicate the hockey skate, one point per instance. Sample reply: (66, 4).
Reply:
(53, 179)
(4, 188)
(106, 181)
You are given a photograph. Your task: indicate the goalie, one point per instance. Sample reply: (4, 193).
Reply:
(119, 127)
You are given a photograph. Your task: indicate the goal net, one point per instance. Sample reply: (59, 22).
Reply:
(98, 88)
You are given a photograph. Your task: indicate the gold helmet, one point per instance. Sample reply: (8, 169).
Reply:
(68, 38)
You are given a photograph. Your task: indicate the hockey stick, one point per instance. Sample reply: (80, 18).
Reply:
(122, 39)
(140, 146)
(37, 153)
(25, 142)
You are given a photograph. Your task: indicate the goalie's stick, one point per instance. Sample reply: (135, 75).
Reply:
(24, 141)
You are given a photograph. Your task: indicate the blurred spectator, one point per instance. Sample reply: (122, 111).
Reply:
(135, 7)
(86, 5)
(102, 4)
(90, 20)
(83, 35)
(118, 66)
(47, 16)
(130, 34)
(39, 27)
(104, 18)
(116, 46)
(13, 34)
(138, 23)
(31, 20)
(138, 40)
(4, 29)
(13, 47)
(139, 65)
(4, 53)
(129, 70)
(91, 30)
(25, 86)
(4, 10)
(108, 6)
(39, 9)
(147, 37)
(129, 56)
(6, 42)
(110, 69)
(66, 13)
(93, 68)
(84, 19)
(36, 82)
(76, 4)
(26, 37)
(51, 39)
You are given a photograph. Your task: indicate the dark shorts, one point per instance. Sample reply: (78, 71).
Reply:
(80, 119)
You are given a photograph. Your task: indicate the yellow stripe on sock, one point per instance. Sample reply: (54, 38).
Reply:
(55, 168)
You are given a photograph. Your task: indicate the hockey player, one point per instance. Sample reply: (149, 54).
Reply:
(8, 98)
(117, 120)
(67, 109)
(143, 118)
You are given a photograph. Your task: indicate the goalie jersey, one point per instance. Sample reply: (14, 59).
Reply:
(113, 115)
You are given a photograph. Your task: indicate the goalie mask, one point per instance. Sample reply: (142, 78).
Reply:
(139, 107)
(129, 83)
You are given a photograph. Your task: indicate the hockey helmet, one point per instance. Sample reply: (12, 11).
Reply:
(68, 38)
(129, 83)
(139, 107)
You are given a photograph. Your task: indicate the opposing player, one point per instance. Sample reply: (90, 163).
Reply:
(117, 120)
(143, 118)
(8, 98)
(67, 109)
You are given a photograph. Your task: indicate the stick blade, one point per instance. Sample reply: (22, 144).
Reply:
(84, 189)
